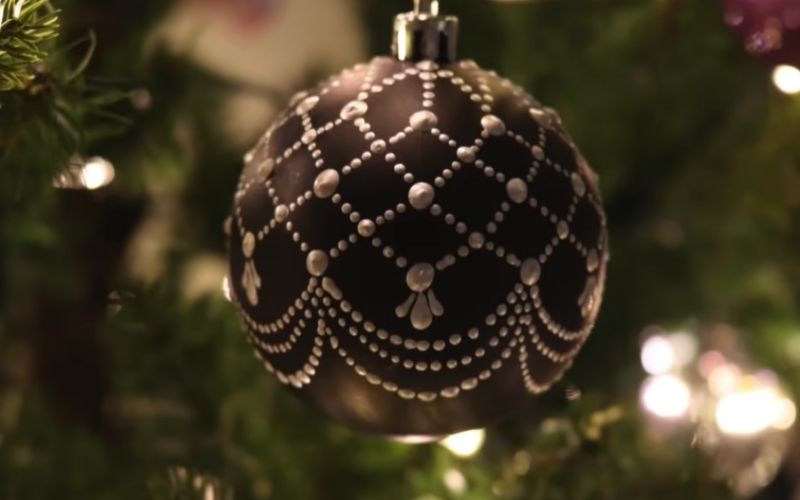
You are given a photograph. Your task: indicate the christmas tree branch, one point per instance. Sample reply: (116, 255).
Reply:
(25, 26)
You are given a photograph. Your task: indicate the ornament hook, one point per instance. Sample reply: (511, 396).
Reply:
(424, 34)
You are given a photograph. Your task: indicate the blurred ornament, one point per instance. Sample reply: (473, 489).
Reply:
(244, 14)
(202, 275)
(770, 29)
(290, 38)
(417, 244)
(741, 416)
(147, 256)
(85, 173)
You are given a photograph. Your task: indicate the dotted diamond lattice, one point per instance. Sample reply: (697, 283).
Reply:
(415, 247)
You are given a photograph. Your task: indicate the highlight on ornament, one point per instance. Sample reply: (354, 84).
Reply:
(226, 289)
(85, 173)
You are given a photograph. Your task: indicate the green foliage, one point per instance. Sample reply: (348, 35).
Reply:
(25, 28)
(59, 115)
(159, 397)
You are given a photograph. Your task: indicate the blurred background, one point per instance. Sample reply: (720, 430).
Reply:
(124, 373)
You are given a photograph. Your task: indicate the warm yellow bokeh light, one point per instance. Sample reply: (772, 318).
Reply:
(787, 79)
(666, 396)
(465, 444)
(754, 411)
(97, 172)
(658, 356)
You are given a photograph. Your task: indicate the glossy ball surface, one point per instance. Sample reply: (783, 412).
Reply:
(415, 248)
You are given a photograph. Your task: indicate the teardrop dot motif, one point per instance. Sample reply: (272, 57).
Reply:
(326, 183)
(248, 245)
(421, 316)
(317, 263)
(530, 271)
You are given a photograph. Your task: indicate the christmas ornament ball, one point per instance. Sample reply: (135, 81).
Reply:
(416, 247)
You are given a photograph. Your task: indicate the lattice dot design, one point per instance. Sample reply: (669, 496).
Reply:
(415, 247)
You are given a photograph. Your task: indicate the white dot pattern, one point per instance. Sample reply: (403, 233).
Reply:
(518, 327)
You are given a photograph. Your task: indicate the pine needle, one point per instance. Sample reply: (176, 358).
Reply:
(25, 27)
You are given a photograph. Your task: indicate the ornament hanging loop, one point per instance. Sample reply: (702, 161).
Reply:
(423, 34)
(430, 7)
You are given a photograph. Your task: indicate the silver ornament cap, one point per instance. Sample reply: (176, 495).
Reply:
(424, 34)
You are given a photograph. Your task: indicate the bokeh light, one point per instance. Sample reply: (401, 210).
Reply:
(92, 173)
(786, 78)
(666, 396)
(724, 379)
(684, 347)
(753, 411)
(658, 355)
(786, 414)
(465, 444)
(455, 481)
(97, 172)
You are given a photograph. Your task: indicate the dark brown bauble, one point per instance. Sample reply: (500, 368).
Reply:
(416, 248)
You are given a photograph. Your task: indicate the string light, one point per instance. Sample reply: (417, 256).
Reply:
(741, 416)
(662, 353)
(658, 356)
(90, 174)
(666, 396)
(738, 403)
(465, 444)
(751, 412)
(786, 78)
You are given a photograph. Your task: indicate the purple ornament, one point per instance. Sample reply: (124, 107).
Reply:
(770, 29)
